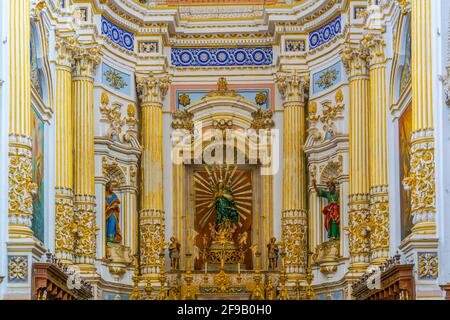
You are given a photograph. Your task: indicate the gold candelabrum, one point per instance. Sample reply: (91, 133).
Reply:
(309, 291)
(189, 295)
(148, 290)
(258, 292)
(283, 294)
(163, 295)
(136, 294)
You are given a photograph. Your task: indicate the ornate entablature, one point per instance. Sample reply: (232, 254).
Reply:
(325, 33)
(118, 35)
(218, 57)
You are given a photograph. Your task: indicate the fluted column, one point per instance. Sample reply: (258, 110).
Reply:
(293, 89)
(64, 224)
(86, 61)
(152, 91)
(379, 197)
(20, 209)
(359, 191)
(422, 180)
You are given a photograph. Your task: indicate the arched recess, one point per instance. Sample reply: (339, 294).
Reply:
(401, 65)
(222, 112)
(41, 102)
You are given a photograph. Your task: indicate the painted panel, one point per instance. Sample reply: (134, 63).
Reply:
(222, 57)
(38, 176)
(327, 78)
(116, 79)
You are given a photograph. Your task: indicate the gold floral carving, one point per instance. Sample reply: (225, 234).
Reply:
(421, 182)
(359, 232)
(21, 187)
(86, 228)
(64, 227)
(294, 228)
(152, 240)
(18, 268)
(263, 119)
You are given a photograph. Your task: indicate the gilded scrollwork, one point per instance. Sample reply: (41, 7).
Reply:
(64, 227)
(379, 223)
(152, 241)
(293, 244)
(421, 182)
(17, 268)
(428, 265)
(86, 229)
(359, 232)
(21, 187)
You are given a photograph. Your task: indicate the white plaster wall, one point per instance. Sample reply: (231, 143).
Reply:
(443, 150)
(4, 128)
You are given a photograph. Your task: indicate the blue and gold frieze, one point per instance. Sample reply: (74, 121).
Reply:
(327, 78)
(116, 34)
(116, 79)
(148, 46)
(260, 97)
(222, 57)
(325, 33)
(295, 45)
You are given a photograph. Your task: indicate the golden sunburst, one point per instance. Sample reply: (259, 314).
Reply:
(206, 184)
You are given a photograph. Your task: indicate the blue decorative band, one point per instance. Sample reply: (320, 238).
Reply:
(325, 33)
(118, 35)
(222, 57)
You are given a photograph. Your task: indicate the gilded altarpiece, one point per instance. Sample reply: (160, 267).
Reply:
(206, 216)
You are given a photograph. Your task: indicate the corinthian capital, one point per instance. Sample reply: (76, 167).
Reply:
(87, 59)
(374, 45)
(354, 58)
(292, 87)
(152, 89)
(65, 47)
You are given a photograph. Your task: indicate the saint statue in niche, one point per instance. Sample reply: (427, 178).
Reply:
(112, 211)
(330, 211)
(227, 214)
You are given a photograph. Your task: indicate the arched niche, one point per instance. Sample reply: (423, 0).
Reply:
(237, 113)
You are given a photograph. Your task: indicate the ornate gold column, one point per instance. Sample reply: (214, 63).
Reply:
(87, 59)
(20, 210)
(152, 91)
(379, 197)
(293, 89)
(355, 61)
(422, 180)
(64, 224)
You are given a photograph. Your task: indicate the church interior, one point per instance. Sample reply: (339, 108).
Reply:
(224, 150)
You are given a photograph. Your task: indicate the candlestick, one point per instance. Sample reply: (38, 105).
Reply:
(239, 268)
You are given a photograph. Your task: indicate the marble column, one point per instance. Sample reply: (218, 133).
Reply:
(64, 224)
(379, 197)
(87, 59)
(152, 91)
(293, 89)
(355, 61)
